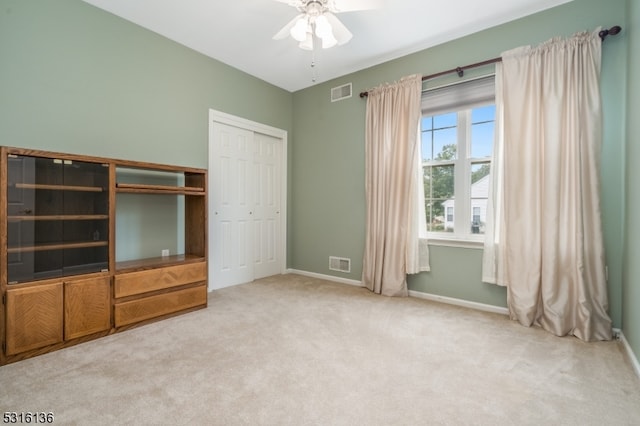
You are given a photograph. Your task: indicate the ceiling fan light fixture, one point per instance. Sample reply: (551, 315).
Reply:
(323, 28)
(307, 43)
(317, 19)
(329, 41)
(300, 30)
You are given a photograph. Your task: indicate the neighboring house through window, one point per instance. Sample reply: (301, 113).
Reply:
(479, 199)
(457, 131)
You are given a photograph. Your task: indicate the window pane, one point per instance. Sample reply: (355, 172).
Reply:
(444, 144)
(482, 129)
(479, 196)
(439, 137)
(438, 195)
(427, 145)
(427, 123)
(485, 113)
(445, 120)
(445, 136)
(479, 171)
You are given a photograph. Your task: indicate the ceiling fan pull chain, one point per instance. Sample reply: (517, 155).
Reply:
(314, 73)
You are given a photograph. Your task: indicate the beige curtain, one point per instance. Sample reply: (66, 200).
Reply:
(393, 183)
(545, 241)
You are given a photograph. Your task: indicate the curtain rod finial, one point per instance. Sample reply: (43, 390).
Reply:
(611, 31)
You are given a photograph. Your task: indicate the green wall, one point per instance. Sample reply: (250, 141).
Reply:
(327, 191)
(631, 277)
(74, 78)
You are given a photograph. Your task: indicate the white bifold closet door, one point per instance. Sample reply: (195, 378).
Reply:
(245, 189)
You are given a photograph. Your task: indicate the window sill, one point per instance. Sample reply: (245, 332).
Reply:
(456, 242)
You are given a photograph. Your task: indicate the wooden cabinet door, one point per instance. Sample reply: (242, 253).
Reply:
(34, 317)
(86, 307)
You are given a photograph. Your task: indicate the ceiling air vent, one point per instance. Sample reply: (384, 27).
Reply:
(341, 92)
(340, 264)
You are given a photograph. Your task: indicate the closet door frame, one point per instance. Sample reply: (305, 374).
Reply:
(242, 123)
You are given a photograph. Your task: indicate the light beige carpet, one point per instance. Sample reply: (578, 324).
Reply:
(291, 350)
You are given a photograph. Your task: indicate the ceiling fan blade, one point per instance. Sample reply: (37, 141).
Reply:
(340, 32)
(285, 31)
(338, 6)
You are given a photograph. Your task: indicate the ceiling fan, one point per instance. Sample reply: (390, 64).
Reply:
(317, 19)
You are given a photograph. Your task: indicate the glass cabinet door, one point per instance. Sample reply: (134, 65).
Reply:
(57, 217)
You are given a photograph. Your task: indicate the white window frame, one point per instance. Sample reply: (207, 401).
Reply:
(460, 98)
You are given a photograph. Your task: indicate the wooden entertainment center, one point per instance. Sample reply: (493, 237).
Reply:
(59, 279)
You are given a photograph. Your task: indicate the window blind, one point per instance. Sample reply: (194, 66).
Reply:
(467, 94)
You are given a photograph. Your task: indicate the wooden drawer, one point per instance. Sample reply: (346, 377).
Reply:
(132, 283)
(161, 304)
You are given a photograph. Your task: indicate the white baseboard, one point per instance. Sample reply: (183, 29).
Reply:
(635, 363)
(412, 293)
(326, 277)
(459, 302)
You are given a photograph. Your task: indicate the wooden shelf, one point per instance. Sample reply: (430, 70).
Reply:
(155, 262)
(59, 217)
(57, 246)
(159, 189)
(59, 285)
(60, 187)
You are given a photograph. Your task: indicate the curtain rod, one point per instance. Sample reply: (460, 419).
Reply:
(460, 70)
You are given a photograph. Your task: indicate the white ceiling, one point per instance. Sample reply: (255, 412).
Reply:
(239, 32)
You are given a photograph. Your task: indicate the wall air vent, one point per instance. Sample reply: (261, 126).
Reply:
(340, 264)
(341, 92)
